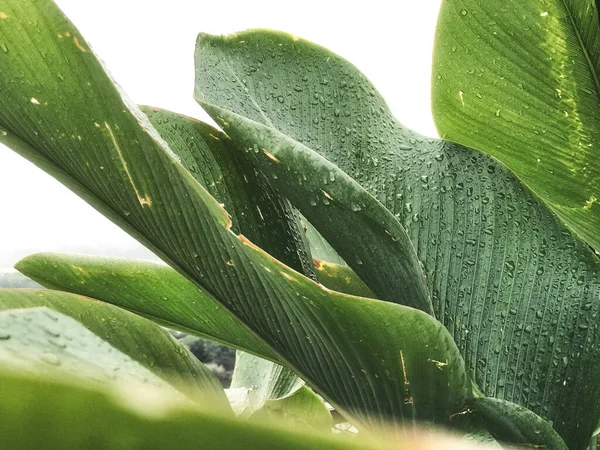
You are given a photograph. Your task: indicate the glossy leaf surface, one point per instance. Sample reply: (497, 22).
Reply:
(338, 207)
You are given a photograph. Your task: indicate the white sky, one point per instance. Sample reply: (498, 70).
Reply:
(148, 46)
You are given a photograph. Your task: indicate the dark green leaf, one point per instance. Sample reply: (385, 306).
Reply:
(364, 232)
(512, 423)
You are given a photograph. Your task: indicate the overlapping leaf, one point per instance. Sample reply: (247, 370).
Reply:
(516, 290)
(338, 207)
(152, 290)
(341, 278)
(520, 81)
(43, 342)
(512, 423)
(350, 349)
(141, 340)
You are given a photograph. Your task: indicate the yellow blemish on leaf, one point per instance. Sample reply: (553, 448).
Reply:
(460, 95)
(391, 235)
(144, 200)
(3, 15)
(327, 195)
(287, 276)
(440, 365)
(408, 398)
(67, 34)
(214, 137)
(60, 36)
(270, 155)
(544, 14)
(78, 45)
(34, 101)
(589, 202)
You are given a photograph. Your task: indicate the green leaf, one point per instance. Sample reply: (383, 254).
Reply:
(42, 341)
(154, 291)
(519, 80)
(338, 207)
(262, 389)
(302, 408)
(33, 409)
(518, 293)
(255, 210)
(350, 350)
(341, 278)
(141, 340)
(319, 247)
(261, 380)
(512, 423)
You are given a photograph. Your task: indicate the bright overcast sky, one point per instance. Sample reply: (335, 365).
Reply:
(148, 46)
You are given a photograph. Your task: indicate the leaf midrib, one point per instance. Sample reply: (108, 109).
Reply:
(583, 47)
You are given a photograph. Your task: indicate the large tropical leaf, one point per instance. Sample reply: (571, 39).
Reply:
(139, 339)
(519, 80)
(264, 217)
(41, 341)
(55, 414)
(351, 350)
(338, 207)
(516, 290)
